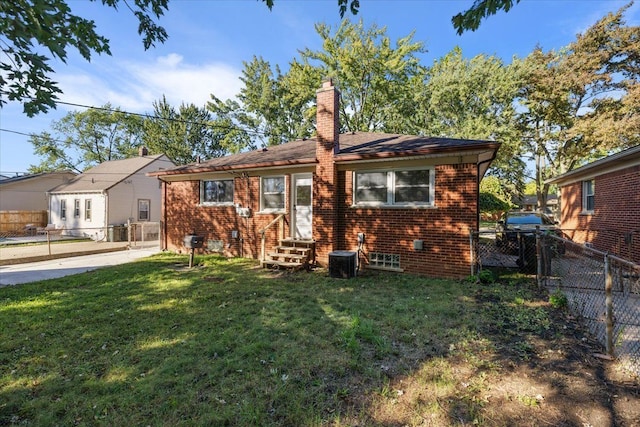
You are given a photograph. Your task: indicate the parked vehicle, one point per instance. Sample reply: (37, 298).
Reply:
(514, 225)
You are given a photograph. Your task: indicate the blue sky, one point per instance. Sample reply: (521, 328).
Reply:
(210, 39)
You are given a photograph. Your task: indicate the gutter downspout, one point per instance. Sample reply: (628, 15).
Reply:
(163, 217)
(493, 157)
(106, 214)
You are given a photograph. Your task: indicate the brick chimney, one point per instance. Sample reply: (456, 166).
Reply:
(327, 117)
(142, 151)
(325, 188)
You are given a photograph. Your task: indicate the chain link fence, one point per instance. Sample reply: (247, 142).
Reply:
(601, 289)
(35, 243)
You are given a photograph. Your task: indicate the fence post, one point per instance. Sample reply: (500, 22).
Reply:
(472, 252)
(538, 258)
(608, 288)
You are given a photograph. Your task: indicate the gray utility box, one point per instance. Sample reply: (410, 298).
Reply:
(191, 241)
(343, 264)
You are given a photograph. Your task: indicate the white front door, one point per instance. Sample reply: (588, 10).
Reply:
(302, 206)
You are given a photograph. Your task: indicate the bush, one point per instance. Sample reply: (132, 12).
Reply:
(557, 299)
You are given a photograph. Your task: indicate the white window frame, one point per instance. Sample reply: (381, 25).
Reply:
(284, 194)
(210, 203)
(76, 208)
(588, 192)
(391, 188)
(63, 209)
(148, 203)
(87, 209)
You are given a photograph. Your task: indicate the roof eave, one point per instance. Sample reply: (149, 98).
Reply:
(232, 168)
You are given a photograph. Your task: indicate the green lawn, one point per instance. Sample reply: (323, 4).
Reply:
(153, 343)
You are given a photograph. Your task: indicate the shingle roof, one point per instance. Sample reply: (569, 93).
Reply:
(353, 146)
(106, 174)
(628, 156)
(27, 177)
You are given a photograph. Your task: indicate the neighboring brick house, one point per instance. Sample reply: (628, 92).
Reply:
(414, 198)
(600, 204)
(107, 195)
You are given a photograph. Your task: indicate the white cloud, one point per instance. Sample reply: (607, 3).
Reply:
(135, 85)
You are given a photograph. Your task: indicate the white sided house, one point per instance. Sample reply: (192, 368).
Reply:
(108, 196)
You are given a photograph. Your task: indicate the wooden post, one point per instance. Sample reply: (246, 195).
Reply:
(48, 241)
(472, 252)
(608, 289)
(538, 258)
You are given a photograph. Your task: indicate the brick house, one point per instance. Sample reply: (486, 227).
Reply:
(413, 199)
(600, 203)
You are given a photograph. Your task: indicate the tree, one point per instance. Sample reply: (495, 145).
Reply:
(475, 99)
(29, 27)
(84, 139)
(467, 20)
(276, 102)
(373, 74)
(583, 101)
(374, 77)
(471, 18)
(494, 197)
(184, 135)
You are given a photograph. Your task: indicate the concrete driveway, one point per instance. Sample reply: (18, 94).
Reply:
(14, 274)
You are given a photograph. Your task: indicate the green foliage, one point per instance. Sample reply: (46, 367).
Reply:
(376, 78)
(493, 195)
(450, 105)
(373, 74)
(30, 27)
(85, 139)
(471, 18)
(558, 299)
(582, 101)
(185, 134)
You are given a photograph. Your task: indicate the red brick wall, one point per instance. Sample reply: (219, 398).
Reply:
(444, 229)
(614, 225)
(325, 215)
(184, 214)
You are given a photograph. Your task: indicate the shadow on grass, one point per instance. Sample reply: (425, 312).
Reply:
(227, 343)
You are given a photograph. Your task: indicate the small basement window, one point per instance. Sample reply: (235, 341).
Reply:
(384, 261)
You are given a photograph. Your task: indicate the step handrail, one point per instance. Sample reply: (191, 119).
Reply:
(263, 240)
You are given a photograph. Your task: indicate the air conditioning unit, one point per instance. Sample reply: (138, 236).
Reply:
(343, 264)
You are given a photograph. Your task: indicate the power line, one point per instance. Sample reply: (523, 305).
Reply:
(171, 119)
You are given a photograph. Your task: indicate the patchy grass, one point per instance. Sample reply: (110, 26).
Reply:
(227, 343)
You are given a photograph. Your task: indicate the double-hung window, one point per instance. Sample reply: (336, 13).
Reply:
(76, 208)
(404, 187)
(143, 209)
(217, 192)
(87, 209)
(588, 196)
(63, 209)
(272, 193)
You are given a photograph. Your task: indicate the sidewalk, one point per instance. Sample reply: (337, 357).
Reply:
(20, 254)
(54, 268)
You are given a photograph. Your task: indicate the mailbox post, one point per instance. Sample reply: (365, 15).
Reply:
(193, 242)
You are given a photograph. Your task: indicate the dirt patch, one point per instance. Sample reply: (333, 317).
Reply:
(548, 377)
